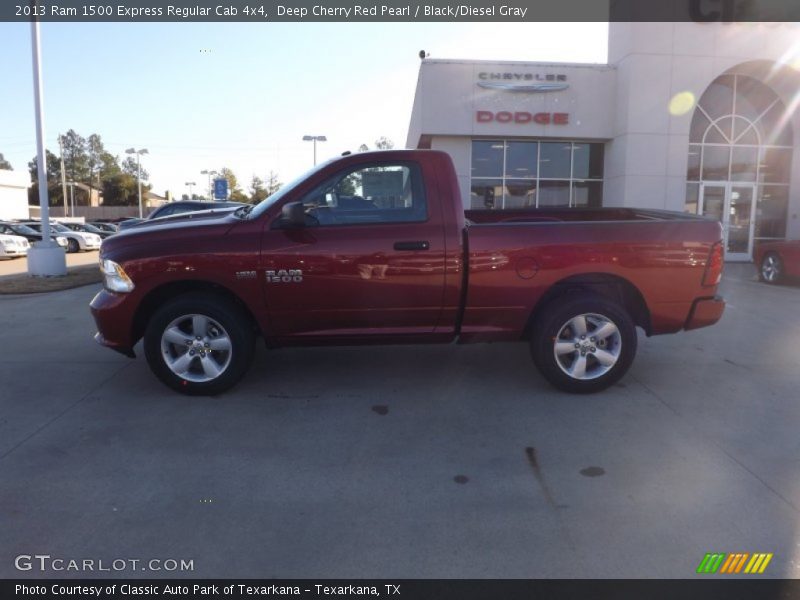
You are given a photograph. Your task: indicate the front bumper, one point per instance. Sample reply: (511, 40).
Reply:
(113, 316)
(13, 252)
(705, 312)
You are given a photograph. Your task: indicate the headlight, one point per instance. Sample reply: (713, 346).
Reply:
(114, 277)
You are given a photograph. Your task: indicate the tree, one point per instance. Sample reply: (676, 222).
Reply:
(382, 143)
(130, 166)
(95, 152)
(4, 164)
(55, 194)
(53, 168)
(273, 184)
(109, 165)
(235, 193)
(257, 190)
(54, 189)
(122, 189)
(76, 157)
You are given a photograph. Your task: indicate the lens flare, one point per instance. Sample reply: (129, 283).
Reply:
(681, 103)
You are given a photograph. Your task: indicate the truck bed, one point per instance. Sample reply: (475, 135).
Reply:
(661, 254)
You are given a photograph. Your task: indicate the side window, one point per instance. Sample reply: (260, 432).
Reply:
(165, 211)
(379, 193)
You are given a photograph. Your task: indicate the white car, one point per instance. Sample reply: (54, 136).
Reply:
(77, 241)
(12, 246)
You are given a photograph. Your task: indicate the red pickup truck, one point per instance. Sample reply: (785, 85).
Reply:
(376, 248)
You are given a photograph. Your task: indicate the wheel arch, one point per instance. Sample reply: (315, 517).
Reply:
(610, 286)
(165, 292)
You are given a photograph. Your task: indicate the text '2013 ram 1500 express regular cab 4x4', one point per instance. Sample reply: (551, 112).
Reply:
(376, 247)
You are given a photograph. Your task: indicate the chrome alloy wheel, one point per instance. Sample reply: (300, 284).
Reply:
(771, 268)
(587, 346)
(196, 348)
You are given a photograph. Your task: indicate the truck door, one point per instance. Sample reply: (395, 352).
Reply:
(370, 260)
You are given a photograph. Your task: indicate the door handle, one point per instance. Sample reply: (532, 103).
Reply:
(421, 245)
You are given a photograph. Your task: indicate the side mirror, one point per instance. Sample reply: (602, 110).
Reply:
(293, 214)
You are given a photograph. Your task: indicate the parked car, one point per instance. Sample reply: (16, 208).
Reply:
(89, 228)
(30, 234)
(399, 264)
(13, 246)
(777, 260)
(106, 226)
(76, 241)
(181, 207)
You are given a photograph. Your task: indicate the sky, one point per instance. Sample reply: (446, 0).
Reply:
(204, 96)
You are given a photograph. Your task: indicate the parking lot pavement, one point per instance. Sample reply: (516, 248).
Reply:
(423, 461)
(16, 266)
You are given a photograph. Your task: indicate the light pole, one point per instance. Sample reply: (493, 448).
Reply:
(190, 184)
(45, 257)
(209, 173)
(315, 139)
(138, 154)
(71, 185)
(63, 171)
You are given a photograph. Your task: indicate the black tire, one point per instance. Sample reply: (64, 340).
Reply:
(222, 315)
(73, 246)
(771, 269)
(554, 323)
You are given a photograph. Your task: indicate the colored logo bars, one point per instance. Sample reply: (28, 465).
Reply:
(739, 562)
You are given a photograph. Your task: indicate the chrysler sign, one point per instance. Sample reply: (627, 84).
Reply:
(523, 82)
(521, 117)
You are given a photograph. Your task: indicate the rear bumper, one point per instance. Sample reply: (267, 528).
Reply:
(113, 318)
(705, 312)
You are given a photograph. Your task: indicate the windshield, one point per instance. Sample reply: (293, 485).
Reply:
(59, 227)
(265, 204)
(23, 229)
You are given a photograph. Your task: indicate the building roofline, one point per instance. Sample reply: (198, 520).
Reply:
(464, 61)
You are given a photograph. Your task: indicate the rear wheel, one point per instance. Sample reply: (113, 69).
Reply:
(199, 344)
(771, 270)
(583, 344)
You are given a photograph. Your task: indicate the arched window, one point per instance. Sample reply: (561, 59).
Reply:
(740, 146)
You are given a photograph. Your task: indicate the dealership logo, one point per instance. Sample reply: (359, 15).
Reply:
(522, 117)
(523, 82)
(733, 563)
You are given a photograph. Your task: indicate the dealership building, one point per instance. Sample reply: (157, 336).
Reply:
(697, 117)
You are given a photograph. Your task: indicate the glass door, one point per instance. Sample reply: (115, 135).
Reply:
(733, 205)
(739, 208)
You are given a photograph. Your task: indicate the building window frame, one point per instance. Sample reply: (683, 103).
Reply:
(503, 176)
(694, 184)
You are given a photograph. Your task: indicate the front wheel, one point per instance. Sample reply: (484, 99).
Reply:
(199, 344)
(73, 246)
(771, 270)
(583, 344)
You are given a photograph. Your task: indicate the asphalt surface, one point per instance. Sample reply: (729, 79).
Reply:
(405, 462)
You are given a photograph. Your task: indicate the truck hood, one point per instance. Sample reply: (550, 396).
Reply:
(170, 235)
(195, 214)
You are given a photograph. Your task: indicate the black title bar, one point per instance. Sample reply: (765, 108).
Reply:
(405, 589)
(264, 11)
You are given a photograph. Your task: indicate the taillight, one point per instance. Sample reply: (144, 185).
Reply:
(713, 272)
